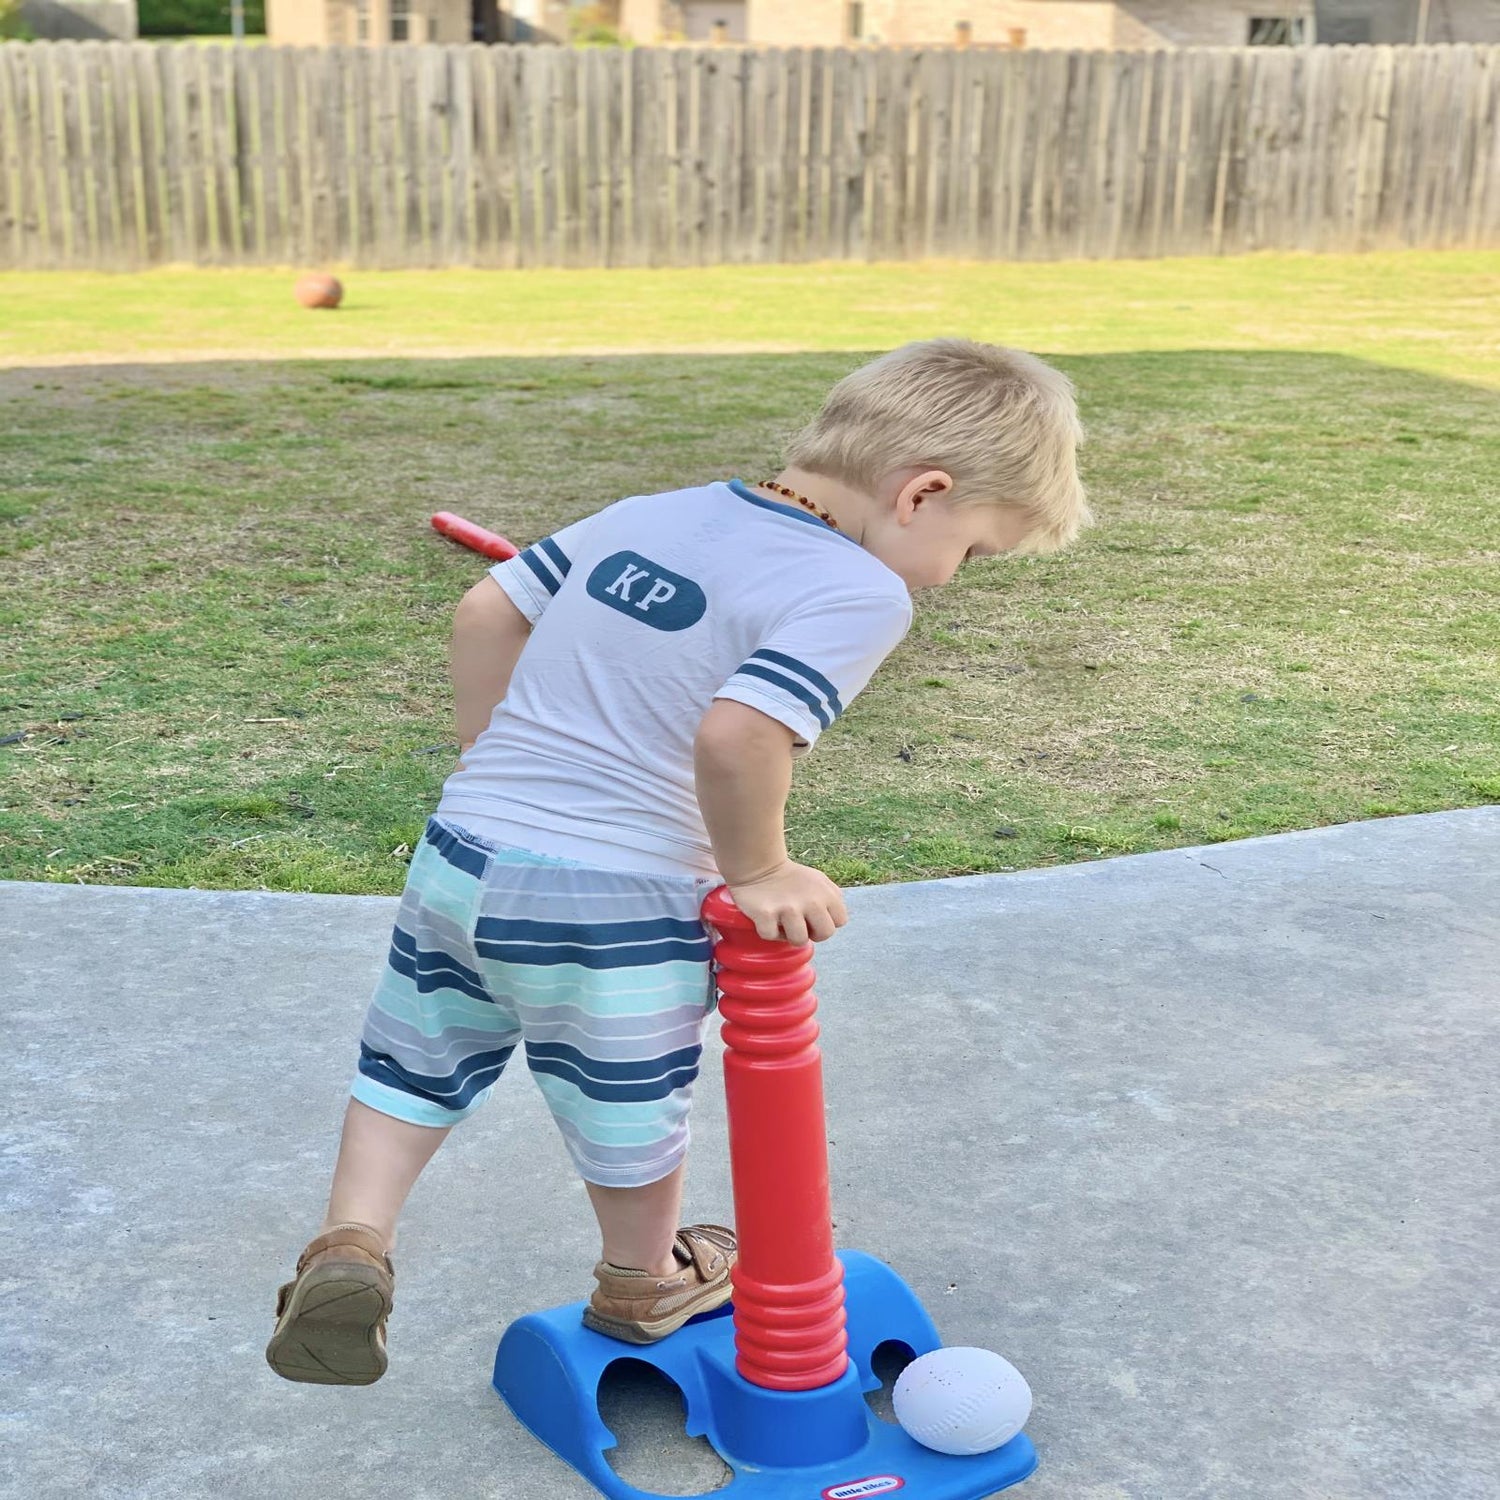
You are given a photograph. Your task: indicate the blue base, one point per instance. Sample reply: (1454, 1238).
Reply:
(795, 1445)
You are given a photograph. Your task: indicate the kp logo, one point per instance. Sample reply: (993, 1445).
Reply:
(857, 1489)
(647, 592)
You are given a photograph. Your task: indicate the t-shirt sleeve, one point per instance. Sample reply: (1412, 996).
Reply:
(536, 573)
(818, 660)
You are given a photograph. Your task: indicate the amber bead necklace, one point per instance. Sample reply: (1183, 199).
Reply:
(817, 510)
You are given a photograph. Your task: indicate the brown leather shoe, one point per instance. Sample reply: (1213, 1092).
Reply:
(640, 1308)
(330, 1320)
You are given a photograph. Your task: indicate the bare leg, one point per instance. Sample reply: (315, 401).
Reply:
(380, 1158)
(638, 1224)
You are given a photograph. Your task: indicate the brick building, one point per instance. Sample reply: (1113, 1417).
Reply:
(1122, 24)
(377, 23)
(323, 23)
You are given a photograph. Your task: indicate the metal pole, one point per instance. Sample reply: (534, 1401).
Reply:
(1422, 9)
(237, 19)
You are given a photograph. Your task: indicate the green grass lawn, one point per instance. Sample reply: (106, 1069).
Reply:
(1417, 310)
(226, 616)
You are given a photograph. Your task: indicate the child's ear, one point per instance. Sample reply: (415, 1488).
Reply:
(929, 484)
(922, 484)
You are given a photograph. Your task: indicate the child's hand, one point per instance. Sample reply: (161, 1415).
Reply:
(793, 902)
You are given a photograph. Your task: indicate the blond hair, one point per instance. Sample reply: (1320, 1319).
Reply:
(1000, 421)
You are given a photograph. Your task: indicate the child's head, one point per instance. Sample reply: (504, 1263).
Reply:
(984, 438)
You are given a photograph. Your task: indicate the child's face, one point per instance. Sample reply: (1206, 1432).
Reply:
(918, 532)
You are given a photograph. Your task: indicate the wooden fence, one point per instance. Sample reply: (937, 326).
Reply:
(119, 155)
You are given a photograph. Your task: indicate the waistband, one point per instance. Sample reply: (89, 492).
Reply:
(445, 831)
(581, 847)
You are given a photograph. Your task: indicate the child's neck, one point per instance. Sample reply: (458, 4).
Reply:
(848, 506)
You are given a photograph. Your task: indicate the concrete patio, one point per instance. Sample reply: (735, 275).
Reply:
(1204, 1141)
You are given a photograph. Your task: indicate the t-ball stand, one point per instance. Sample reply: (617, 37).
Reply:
(776, 1383)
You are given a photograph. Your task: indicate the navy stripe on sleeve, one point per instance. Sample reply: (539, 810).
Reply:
(559, 558)
(817, 679)
(788, 685)
(542, 568)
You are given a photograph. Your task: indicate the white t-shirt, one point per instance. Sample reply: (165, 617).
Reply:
(642, 615)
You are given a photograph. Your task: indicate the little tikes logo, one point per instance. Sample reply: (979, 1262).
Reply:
(647, 592)
(857, 1489)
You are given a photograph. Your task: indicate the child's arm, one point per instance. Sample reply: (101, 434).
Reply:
(489, 632)
(743, 764)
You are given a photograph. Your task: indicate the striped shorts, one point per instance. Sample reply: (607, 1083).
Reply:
(606, 976)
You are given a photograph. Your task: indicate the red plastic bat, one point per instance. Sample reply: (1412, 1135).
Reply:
(490, 543)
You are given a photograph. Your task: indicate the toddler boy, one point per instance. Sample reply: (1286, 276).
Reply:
(631, 693)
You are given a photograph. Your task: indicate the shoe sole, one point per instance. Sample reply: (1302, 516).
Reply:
(650, 1333)
(330, 1331)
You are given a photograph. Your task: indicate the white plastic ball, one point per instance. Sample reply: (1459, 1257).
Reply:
(962, 1401)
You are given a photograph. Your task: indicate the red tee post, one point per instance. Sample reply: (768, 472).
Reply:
(788, 1284)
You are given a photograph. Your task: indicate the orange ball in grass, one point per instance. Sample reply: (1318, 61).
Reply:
(319, 290)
